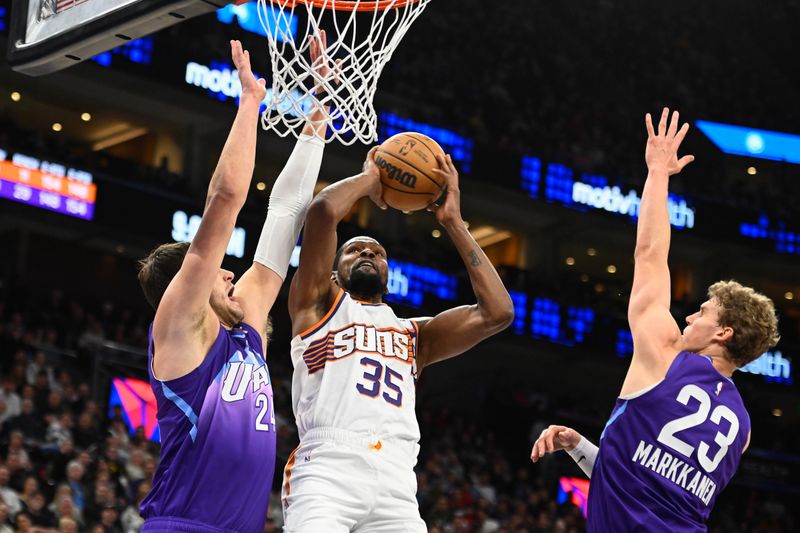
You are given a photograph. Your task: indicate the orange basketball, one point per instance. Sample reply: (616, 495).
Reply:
(406, 162)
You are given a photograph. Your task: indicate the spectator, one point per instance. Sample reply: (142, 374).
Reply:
(131, 520)
(75, 473)
(67, 525)
(30, 486)
(109, 518)
(23, 523)
(8, 494)
(5, 519)
(27, 421)
(11, 400)
(39, 513)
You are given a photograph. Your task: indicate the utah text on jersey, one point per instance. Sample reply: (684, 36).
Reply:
(361, 338)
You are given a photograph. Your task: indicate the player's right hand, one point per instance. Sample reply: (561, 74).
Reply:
(662, 148)
(554, 438)
(371, 172)
(251, 88)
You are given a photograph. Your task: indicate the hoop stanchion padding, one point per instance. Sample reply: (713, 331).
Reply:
(361, 35)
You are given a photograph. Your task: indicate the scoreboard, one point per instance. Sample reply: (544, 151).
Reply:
(46, 185)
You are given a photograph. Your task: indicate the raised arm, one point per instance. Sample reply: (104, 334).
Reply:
(312, 291)
(456, 330)
(288, 203)
(655, 332)
(185, 326)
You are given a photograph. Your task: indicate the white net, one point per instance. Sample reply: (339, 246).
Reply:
(361, 37)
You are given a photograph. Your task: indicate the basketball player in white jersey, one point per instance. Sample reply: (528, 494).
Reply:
(356, 364)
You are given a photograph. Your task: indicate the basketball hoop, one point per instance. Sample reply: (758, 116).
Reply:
(362, 35)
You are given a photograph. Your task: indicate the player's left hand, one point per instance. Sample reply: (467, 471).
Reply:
(449, 211)
(554, 438)
(251, 88)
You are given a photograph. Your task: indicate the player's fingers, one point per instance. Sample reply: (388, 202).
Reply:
(535, 452)
(673, 125)
(685, 160)
(648, 122)
(550, 438)
(323, 39)
(681, 135)
(662, 124)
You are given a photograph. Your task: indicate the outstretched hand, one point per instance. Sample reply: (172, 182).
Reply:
(662, 147)
(251, 88)
(554, 438)
(318, 47)
(450, 210)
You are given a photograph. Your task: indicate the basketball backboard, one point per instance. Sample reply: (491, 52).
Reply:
(49, 35)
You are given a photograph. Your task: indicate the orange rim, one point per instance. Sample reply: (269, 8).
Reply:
(348, 5)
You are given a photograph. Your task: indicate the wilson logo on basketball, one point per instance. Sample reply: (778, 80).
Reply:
(407, 179)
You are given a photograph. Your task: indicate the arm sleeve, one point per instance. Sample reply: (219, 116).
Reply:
(288, 203)
(584, 455)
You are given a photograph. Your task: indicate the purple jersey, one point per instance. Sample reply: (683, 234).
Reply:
(667, 452)
(217, 428)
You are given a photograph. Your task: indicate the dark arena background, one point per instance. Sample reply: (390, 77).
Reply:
(541, 105)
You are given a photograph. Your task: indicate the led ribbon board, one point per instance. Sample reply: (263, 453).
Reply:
(751, 142)
(556, 183)
(576, 490)
(138, 404)
(45, 185)
(459, 147)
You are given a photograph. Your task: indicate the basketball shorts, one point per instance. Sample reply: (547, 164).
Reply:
(340, 482)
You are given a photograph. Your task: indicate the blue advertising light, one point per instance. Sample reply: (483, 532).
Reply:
(520, 301)
(531, 175)
(624, 343)
(786, 241)
(752, 142)
(281, 25)
(139, 51)
(459, 147)
(773, 366)
(410, 283)
(593, 192)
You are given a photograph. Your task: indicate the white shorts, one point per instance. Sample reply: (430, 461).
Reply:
(341, 482)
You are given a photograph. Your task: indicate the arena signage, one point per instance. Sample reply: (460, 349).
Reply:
(224, 81)
(46, 185)
(278, 23)
(612, 200)
(184, 228)
(773, 366)
(408, 283)
(751, 142)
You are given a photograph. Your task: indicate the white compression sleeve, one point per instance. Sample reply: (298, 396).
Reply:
(288, 203)
(584, 455)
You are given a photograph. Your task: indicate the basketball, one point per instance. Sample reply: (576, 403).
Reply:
(406, 162)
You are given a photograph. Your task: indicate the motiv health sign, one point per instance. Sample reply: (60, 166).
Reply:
(225, 81)
(611, 199)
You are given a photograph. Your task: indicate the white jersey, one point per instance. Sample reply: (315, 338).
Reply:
(356, 370)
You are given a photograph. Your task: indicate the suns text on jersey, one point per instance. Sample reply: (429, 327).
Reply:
(670, 467)
(388, 342)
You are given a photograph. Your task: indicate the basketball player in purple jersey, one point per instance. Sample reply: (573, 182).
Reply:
(679, 426)
(208, 340)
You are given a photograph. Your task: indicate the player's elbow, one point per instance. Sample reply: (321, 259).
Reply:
(321, 210)
(500, 318)
(227, 197)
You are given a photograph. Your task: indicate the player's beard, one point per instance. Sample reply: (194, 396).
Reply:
(365, 283)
